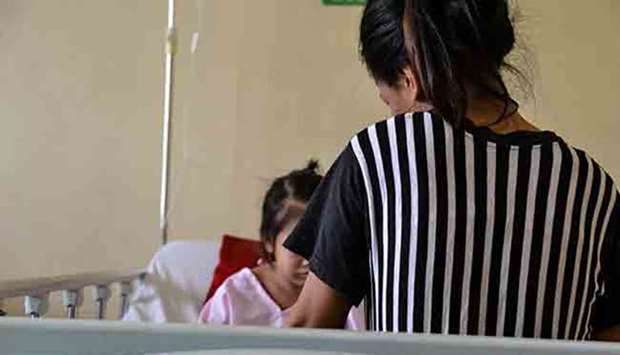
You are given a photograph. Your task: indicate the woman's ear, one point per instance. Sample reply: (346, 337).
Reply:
(413, 91)
(409, 79)
(410, 84)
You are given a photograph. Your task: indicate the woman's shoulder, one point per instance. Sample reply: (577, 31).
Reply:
(582, 158)
(395, 128)
(387, 136)
(399, 121)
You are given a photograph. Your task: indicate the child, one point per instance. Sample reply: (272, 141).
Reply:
(262, 295)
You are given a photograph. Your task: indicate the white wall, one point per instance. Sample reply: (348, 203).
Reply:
(272, 84)
(80, 108)
(577, 45)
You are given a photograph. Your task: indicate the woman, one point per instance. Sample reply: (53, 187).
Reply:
(460, 218)
(262, 295)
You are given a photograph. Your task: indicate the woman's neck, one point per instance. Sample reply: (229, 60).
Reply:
(485, 113)
(283, 292)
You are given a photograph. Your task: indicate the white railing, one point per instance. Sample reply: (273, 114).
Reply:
(24, 336)
(36, 291)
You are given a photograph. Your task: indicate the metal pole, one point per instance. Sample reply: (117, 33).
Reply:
(171, 43)
(101, 296)
(71, 301)
(71, 312)
(124, 292)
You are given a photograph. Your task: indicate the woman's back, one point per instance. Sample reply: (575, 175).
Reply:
(458, 231)
(504, 231)
(469, 232)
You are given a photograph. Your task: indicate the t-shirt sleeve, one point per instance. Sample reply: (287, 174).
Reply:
(331, 234)
(606, 311)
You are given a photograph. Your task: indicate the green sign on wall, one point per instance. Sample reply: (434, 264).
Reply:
(344, 2)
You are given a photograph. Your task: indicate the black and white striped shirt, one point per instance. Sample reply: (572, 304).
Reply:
(467, 232)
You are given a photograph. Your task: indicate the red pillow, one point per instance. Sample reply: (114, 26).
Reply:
(235, 254)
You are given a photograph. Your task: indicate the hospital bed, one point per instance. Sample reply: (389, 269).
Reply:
(171, 290)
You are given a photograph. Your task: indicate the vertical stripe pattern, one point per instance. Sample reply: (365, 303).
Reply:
(474, 233)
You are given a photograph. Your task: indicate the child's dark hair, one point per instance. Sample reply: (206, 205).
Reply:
(282, 203)
(457, 49)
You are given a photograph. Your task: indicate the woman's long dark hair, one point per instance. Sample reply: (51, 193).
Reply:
(457, 49)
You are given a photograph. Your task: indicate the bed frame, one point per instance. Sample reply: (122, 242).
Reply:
(26, 336)
(36, 291)
(32, 336)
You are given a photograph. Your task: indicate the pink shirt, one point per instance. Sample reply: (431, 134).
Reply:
(242, 300)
